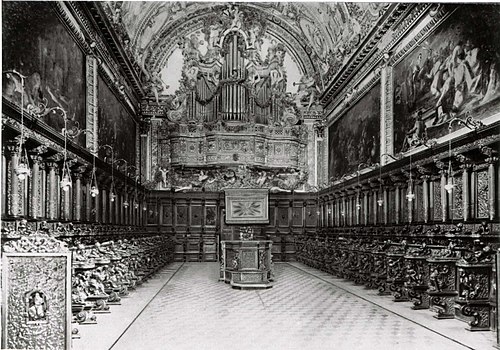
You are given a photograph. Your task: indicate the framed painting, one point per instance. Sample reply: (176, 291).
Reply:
(355, 137)
(247, 206)
(117, 127)
(451, 73)
(38, 45)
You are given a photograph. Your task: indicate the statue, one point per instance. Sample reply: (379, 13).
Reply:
(307, 90)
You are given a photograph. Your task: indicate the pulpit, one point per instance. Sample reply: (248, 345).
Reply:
(246, 264)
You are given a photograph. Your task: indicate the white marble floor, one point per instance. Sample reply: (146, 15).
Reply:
(187, 308)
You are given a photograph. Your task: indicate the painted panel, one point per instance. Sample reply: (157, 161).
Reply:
(181, 217)
(167, 215)
(297, 219)
(211, 215)
(152, 218)
(272, 215)
(36, 44)
(452, 72)
(355, 137)
(196, 215)
(117, 127)
(283, 217)
(311, 216)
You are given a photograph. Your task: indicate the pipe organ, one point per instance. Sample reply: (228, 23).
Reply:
(237, 86)
(232, 109)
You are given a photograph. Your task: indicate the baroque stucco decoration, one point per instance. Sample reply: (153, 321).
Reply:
(322, 36)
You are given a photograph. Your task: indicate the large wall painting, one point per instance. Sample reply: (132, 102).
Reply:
(452, 72)
(37, 45)
(117, 127)
(355, 137)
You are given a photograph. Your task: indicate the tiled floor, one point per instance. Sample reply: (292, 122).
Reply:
(306, 309)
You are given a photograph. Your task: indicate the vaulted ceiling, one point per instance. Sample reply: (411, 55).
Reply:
(320, 37)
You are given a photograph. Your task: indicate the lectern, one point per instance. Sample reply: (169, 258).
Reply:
(246, 264)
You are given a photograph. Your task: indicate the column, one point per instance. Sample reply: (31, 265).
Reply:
(366, 208)
(491, 187)
(444, 196)
(121, 209)
(103, 193)
(426, 199)
(52, 190)
(11, 150)
(66, 202)
(77, 196)
(88, 198)
(96, 203)
(411, 188)
(397, 203)
(358, 212)
(466, 191)
(144, 127)
(376, 215)
(385, 205)
(124, 215)
(344, 210)
(36, 188)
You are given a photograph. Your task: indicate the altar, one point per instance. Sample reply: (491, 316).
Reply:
(246, 264)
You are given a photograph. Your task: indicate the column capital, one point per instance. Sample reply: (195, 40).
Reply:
(10, 148)
(41, 149)
(51, 164)
(492, 160)
(37, 159)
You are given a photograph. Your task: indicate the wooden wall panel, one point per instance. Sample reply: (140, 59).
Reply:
(196, 215)
(197, 222)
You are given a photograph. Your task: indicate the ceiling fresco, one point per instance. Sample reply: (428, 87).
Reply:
(319, 37)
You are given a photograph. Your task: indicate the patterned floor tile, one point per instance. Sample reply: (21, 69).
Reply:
(301, 311)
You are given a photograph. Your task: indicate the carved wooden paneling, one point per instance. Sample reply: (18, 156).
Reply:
(196, 215)
(457, 195)
(482, 190)
(297, 216)
(419, 204)
(438, 205)
(152, 217)
(167, 215)
(38, 310)
(392, 206)
(210, 215)
(181, 215)
(272, 215)
(311, 216)
(283, 217)
(404, 205)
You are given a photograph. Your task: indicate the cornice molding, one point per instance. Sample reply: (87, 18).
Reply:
(375, 61)
(428, 157)
(364, 50)
(41, 133)
(89, 19)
